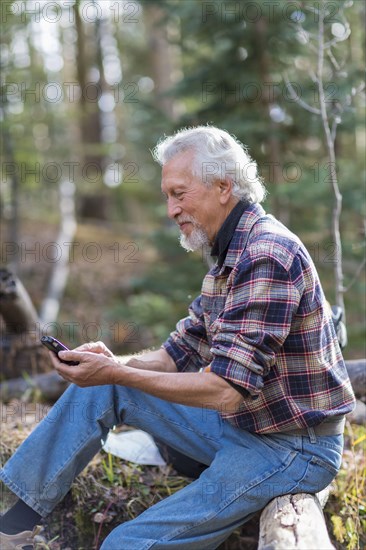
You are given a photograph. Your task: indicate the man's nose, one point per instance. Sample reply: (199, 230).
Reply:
(173, 208)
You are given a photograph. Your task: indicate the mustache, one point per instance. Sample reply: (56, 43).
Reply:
(189, 219)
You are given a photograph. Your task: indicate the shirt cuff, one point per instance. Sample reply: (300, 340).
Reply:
(238, 375)
(182, 359)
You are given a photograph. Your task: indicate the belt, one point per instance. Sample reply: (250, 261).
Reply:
(332, 426)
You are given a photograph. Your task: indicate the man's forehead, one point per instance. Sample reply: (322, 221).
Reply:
(174, 183)
(178, 170)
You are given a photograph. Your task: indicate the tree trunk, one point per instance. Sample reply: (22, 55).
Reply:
(14, 194)
(163, 62)
(91, 129)
(275, 176)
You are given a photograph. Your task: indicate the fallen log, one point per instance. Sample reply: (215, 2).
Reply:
(356, 369)
(296, 522)
(358, 415)
(50, 385)
(22, 354)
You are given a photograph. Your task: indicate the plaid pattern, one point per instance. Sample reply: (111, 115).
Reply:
(262, 322)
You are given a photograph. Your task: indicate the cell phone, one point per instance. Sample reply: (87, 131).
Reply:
(54, 345)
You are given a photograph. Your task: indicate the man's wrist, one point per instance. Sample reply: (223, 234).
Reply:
(114, 371)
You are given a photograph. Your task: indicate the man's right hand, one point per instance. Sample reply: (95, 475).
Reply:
(95, 347)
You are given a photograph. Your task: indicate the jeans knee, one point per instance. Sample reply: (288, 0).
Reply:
(112, 541)
(93, 404)
(126, 537)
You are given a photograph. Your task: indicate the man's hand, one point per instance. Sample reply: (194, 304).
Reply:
(97, 365)
(95, 347)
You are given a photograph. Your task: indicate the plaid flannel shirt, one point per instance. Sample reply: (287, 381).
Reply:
(263, 324)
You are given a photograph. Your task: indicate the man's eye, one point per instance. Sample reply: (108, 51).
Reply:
(179, 195)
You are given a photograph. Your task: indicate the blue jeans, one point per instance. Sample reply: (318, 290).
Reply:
(245, 471)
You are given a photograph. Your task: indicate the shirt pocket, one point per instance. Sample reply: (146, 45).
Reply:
(212, 306)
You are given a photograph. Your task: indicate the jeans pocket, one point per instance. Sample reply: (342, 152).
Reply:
(282, 442)
(318, 475)
(324, 464)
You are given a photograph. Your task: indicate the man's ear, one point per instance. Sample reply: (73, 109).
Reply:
(225, 188)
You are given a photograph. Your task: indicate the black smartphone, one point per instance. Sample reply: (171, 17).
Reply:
(56, 346)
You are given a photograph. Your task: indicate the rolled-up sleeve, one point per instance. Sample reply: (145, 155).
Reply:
(255, 322)
(188, 345)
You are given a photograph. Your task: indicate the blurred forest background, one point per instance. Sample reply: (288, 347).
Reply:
(88, 87)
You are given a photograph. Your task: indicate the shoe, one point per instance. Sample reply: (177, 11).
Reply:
(22, 540)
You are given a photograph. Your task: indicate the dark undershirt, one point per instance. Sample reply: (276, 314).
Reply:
(226, 232)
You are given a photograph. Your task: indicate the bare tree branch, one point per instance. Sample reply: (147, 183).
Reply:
(329, 120)
(359, 89)
(337, 39)
(337, 206)
(333, 61)
(295, 97)
(334, 128)
(356, 275)
(313, 77)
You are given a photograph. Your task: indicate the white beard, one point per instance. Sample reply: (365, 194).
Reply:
(197, 239)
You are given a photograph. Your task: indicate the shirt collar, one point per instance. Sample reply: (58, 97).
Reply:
(233, 235)
(226, 232)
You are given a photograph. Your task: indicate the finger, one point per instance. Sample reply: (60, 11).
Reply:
(102, 348)
(94, 347)
(87, 346)
(65, 371)
(58, 365)
(54, 359)
(72, 355)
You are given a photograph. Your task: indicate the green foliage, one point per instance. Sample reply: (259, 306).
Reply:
(161, 295)
(108, 468)
(347, 506)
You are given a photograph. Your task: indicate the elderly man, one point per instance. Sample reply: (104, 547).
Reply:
(252, 383)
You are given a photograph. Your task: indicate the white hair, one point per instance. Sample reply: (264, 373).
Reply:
(217, 155)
